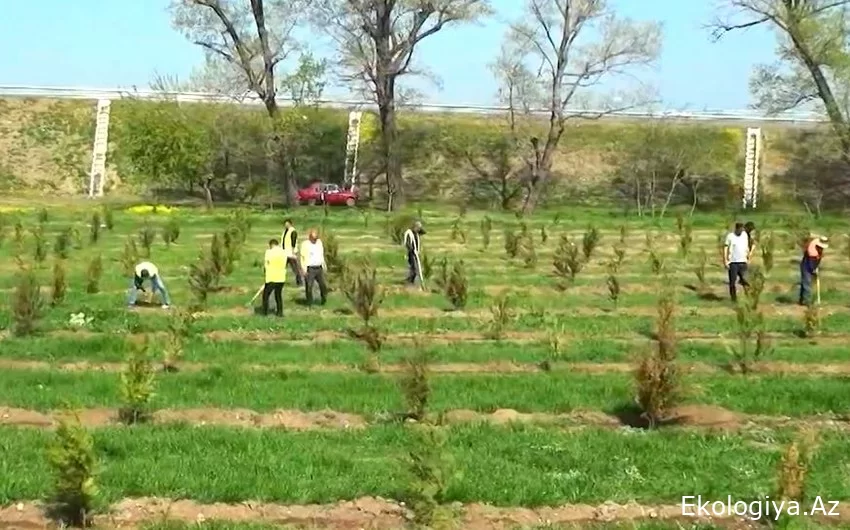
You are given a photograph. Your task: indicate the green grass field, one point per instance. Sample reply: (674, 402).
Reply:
(294, 422)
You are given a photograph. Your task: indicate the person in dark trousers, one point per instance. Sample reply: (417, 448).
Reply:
(812, 256)
(289, 240)
(313, 259)
(275, 275)
(736, 255)
(413, 243)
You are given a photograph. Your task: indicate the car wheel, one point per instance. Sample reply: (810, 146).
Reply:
(350, 202)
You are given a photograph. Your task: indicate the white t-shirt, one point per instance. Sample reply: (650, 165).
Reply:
(146, 266)
(312, 254)
(739, 247)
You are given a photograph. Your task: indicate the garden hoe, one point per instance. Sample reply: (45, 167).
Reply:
(817, 287)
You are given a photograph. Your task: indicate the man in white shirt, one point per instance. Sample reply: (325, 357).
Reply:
(147, 271)
(312, 256)
(736, 256)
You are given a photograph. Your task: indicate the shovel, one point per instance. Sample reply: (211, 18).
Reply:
(817, 287)
(419, 271)
(260, 290)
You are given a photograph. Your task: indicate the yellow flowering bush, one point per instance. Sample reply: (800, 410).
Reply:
(11, 209)
(151, 208)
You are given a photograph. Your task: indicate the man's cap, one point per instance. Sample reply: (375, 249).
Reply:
(822, 242)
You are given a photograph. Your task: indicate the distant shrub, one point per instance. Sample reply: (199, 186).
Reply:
(753, 344)
(486, 228)
(202, 281)
(129, 257)
(27, 304)
(364, 293)
(108, 218)
(171, 231)
(501, 316)
(699, 270)
(767, 246)
(62, 244)
(567, 261)
(511, 243)
(589, 242)
(40, 252)
(94, 228)
(146, 237)
(457, 286)
(94, 274)
(179, 329)
(613, 284)
(526, 251)
(59, 284)
(415, 384)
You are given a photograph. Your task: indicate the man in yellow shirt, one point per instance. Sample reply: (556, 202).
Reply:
(275, 271)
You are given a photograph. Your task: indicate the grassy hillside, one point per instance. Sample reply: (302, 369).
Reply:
(45, 145)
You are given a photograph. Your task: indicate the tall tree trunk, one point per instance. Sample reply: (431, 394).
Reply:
(389, 137)
(543, 158)
(276, 155)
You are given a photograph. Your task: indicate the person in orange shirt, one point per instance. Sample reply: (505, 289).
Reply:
(812, 256)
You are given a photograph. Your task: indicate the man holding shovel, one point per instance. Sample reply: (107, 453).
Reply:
(412, 242)
(812, 256)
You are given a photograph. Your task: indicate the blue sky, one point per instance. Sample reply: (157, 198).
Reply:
(111, 43)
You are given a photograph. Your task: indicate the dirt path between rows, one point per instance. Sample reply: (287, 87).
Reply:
(688, 416)
(448, 337)
(374, 513)
(486, 367)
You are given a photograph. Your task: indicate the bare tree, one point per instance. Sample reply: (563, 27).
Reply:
(247, 42)
(377, 40)
(577, 45)
(493, 156)
(813, 52)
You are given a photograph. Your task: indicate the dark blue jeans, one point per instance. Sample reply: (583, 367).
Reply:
(737, 273)
(807, 276)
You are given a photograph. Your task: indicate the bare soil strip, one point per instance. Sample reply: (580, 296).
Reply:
(484, 367)
(689, 416)
(449, 337)
(371, 512)
(576, 311)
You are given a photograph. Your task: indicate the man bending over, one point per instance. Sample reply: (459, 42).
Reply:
(147, 271)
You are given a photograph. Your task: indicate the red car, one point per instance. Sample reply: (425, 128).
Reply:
(330, 194)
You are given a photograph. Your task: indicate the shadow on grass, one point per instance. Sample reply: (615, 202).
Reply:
(630, 415)
(785, 299)
(703, 293)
